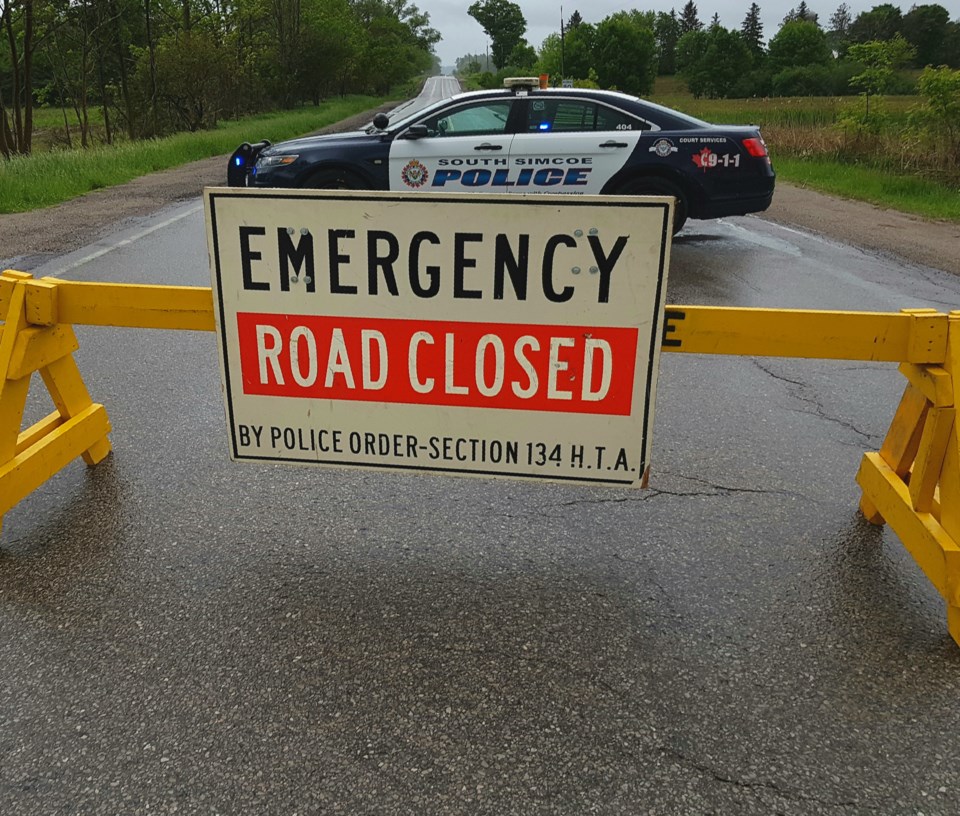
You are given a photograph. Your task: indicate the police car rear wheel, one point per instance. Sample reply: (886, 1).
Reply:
(662, 187)
(335, 180)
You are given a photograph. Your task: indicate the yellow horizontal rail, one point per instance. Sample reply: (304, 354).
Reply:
(913, 336)
(128, 305)
(912, 483)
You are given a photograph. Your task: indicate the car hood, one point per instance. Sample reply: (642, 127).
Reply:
(326, 140)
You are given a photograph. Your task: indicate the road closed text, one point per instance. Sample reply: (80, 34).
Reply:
(571, 369)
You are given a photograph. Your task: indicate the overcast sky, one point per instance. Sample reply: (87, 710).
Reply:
(463, 35)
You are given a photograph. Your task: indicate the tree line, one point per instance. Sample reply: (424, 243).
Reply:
(153, 67)
(628, 49)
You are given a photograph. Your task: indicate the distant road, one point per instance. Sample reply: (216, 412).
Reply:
(435, 89)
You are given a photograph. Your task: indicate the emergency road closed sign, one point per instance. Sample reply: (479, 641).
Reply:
(489, 335)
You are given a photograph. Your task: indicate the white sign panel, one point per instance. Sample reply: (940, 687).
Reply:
(490, 335)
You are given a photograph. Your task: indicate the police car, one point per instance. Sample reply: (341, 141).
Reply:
(525, 139)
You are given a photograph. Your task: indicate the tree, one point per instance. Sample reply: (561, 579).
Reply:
(475, 63)
(504, 23)
(575, 20)
(801, 12)
(925, 27)
(578, 51)
(153, 66)
(713, 62)
(689, 18)
(549, 56)
(16, 135)
(796, 44)
(838, 34)
(751, 29)
(192, 76)
(880, 23)
(625, 54)
(951, 44)
(881, 59)
(523, 56)
(940, 116)
(666, 32)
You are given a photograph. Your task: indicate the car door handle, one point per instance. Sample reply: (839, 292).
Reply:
(611, 143)
(488, 146)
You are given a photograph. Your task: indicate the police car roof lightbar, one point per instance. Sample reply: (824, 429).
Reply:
(521, 83)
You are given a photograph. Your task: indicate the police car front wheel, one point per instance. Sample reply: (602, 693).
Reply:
(660, 187)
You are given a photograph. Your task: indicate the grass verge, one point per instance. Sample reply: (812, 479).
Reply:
(50, 178)
(909, 194)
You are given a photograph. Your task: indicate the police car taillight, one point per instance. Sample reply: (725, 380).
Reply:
(755, 147)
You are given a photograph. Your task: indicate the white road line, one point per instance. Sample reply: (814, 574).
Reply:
(125, 242)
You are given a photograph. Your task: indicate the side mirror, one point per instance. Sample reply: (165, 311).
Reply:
(380, 121)
(416, 132)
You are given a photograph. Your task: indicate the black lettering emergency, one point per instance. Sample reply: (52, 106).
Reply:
(548, 252)
(383, 262)
(605, 263)
(297, 258)
(247, 255)
(336, 259)
(516, 266)
(461, 263)
(432, 272)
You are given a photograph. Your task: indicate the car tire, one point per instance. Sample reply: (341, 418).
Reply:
(335, 179)
(661, 187)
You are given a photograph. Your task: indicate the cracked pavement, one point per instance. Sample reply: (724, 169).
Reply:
(183, 635)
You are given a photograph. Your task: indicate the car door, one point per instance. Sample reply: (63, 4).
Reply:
(570, 145)
(460, 148)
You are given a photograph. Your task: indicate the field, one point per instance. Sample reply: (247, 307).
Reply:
(896, 167)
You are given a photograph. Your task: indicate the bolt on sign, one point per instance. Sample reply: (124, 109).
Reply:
(513, 336)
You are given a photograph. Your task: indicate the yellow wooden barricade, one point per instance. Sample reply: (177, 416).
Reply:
(912, 483)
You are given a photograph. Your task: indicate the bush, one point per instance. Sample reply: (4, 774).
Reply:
(938, 119)
(807, 80)
(865, 117)
(755, 83)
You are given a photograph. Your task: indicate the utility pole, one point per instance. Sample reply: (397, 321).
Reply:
(562, 74)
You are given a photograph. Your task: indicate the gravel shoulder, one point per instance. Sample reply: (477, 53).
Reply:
(29, 239)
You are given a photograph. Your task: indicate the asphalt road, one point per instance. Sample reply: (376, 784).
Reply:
(179, 634)
(435, 89)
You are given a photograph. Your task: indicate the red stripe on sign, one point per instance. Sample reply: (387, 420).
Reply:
(573, 369)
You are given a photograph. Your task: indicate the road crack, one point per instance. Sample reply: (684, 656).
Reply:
(818, 409)
(753, 787)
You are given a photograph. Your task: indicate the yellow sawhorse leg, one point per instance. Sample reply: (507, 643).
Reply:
(913, 483)
(78, 426)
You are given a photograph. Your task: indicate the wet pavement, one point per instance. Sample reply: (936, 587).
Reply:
(179, 634)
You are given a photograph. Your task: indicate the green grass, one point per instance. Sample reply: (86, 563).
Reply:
(783, 110)
(905, 193)
(50, 178)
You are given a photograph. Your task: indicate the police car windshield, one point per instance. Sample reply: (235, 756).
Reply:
(396, 124)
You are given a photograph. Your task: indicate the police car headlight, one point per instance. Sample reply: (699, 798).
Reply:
(277, 161)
